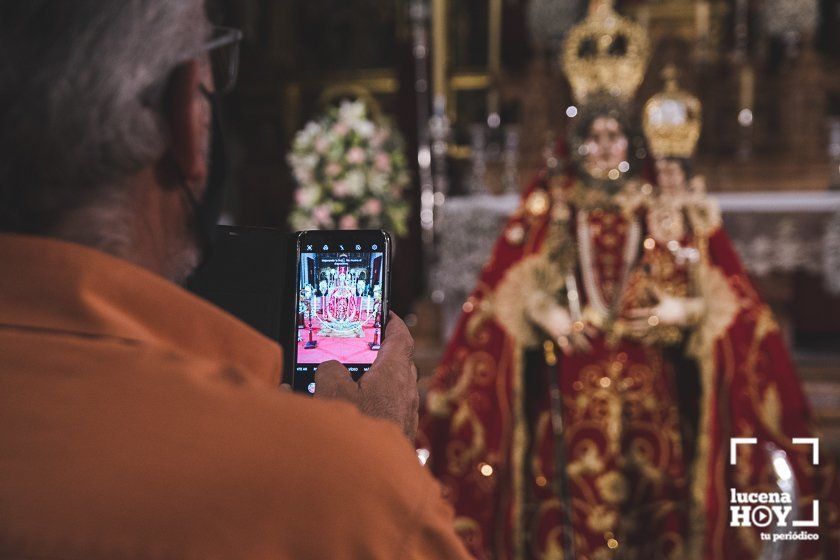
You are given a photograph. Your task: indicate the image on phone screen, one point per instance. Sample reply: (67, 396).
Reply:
(340, 311)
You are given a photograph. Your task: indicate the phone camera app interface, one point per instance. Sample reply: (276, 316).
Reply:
(339, 315)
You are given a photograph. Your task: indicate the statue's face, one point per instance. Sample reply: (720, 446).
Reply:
(670, 176)
(605, 147)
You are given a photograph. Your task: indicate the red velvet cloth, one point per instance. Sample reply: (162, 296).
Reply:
(646, 427)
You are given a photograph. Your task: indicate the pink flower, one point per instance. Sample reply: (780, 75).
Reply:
(355, 155)
(332, 169)
(303, 176)
(372, 207)
(306, 196)
(321, 145)
(321, 215)
(348, 222)
(382, 162)
(340, 189)
(340, 129)
(378, 137)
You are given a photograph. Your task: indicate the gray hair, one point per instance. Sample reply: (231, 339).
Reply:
(80, 98)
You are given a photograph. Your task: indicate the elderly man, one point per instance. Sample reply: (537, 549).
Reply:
(135, 419)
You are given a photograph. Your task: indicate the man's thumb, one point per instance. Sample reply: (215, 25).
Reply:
(332, 380)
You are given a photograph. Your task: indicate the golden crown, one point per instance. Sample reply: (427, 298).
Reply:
(605, 53)
(672, 119)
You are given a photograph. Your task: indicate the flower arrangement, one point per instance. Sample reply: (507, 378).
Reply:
(351, 173)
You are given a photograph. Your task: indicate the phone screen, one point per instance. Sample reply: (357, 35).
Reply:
(341, 301)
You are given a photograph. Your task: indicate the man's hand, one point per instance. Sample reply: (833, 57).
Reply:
(388, 390)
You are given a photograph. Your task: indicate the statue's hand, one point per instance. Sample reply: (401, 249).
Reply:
(669, 311)
(556, 322)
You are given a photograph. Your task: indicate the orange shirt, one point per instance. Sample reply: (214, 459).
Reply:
(137, 420)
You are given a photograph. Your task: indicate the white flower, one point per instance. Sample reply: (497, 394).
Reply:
(303, 175)
(304, 138)
(330, 137)
(378, 183)
(364, 128)
(355, 183)
(351, 111)
(294, 159)
(311, 129)
(306, 162)
(306, 196)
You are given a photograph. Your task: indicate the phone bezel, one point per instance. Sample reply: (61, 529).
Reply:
(330, 237)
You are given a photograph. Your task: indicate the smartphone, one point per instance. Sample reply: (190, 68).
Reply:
(248, 274)
(343, 285)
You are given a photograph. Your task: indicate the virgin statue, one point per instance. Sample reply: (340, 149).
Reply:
(585, 405)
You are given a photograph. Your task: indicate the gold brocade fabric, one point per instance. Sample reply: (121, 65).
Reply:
(626, 466)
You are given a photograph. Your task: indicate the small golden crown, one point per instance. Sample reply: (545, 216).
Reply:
(672, 119)
(605, 53)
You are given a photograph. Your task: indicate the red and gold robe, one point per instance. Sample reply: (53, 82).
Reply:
(647, 420)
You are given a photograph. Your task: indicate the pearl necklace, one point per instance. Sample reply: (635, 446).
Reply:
(590, 275)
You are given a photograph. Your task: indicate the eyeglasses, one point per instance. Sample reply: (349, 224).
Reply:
(222, 49)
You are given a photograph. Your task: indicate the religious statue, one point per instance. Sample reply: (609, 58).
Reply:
(613, 346)
(345, 312)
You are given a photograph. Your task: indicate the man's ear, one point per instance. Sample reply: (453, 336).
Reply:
(188, 120)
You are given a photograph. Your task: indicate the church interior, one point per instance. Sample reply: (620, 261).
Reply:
(477, 91)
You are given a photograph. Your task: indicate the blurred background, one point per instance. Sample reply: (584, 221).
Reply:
(475, 89)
